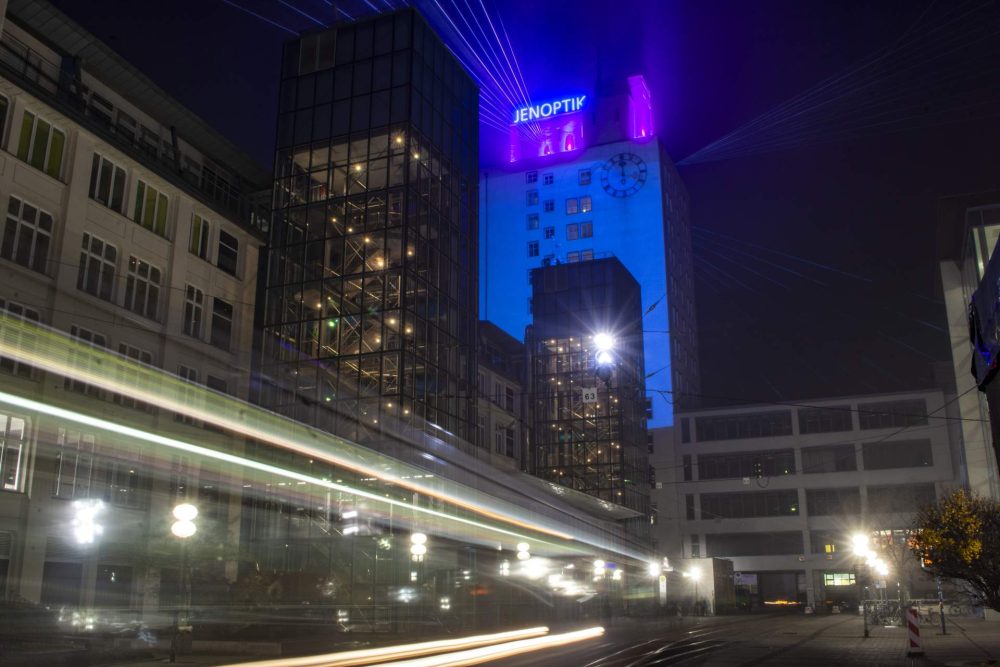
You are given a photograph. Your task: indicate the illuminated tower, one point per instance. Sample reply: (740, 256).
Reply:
(586, 177)
(370, 306)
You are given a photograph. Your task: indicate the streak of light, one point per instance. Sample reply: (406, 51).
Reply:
(299, 11)
(172, 443)
(259, 16)
(507, 650)
(398, 652)
(17, 333)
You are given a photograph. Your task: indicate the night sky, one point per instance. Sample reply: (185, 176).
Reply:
(816, 269)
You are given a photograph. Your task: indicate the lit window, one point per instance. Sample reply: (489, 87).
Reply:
(584, 177)
(532, 197)
(531, 177)
(572, 206)
(587, 255)
(550, 232)
(550, 205)
(548, 179)
(41, 145)
(838, 579)
(27, 235)
(532, 248)
(151, 209)
(107, 183)
(572, 232)
(573, 257)
(585, 204)
(586, 230)
(830, 548)
(13, 446)
(533, 221)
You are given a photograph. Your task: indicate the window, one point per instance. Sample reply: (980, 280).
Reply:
(572, 232)
(198, 243)
(743, 505)
(771, 463)
(222, 324)
(833, 502)
(509, 399)
(572, 206)
(96, 274)
(194, 303)
(189, 375)
(8, 365)
(695, 546)
(216, 383)
(825, 420)
(229, 252)
(742, 426)
(584, 177)
(74, 465)
(587, 255)
(107, 183)
(151, 209)
(41, 145)
(82, 471)
(550, 232)
(897, 454)
(585, 204)
(142, 288)
(4, 109)
(548, 179)
(829, 458)
(508, 442)
(550, 205)
(532, 197)
(573, 257)
(532, 248)
(688, 471)
(689, 510)
(586, 230)
(533, 221)
(892, 414)
(91, 338)
(531, 177)
(903, 499)
(13, 459)
(26, 235)
(838, 579)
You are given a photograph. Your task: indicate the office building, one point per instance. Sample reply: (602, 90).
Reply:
(587, 177)
(968, 228)
(780, 490)
(588, 405)
(129, 226)
(501, 428)
(370, 287)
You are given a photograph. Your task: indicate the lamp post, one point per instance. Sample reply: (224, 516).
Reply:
(183, 528)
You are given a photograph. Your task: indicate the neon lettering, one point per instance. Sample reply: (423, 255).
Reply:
(548, 109)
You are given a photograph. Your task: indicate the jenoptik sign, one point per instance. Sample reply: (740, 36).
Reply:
(549, 109)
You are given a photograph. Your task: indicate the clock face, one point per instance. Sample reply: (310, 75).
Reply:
(623, 175)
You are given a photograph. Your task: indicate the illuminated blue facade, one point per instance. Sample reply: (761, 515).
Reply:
(622, 198)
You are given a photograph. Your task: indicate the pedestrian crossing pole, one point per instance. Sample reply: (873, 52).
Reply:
(913, 628)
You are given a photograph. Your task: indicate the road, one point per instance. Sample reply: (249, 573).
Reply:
(747, 641)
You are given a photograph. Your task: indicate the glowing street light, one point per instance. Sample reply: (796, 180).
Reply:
(184, 526)
(418, 547)
(85, 526)
(604, 342)
(523, 551)
(860, 544)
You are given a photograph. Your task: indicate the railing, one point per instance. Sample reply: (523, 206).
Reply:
(60, 89)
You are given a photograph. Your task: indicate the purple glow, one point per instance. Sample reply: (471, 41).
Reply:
(640, 106)
(547, 136)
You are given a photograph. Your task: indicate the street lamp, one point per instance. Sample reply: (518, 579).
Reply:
(183, 527)
(418, 547)
(86, 529)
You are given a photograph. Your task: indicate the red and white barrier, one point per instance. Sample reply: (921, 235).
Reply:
(913, 628)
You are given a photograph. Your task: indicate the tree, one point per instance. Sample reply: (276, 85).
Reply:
(959, 538)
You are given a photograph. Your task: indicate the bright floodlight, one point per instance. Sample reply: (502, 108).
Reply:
(694, 573)
(882, 568)
(183, 529)
(598, 564)
(85, 526)
(654, 569)
(860, 542)
(523, 546)
(603, 358)
(185, 512)
(604, 342)
(418, 538)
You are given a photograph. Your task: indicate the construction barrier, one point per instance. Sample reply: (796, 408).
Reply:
(913, 628)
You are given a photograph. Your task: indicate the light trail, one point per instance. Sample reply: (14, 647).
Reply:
(52, 351)
(507, 650)
(398, 652)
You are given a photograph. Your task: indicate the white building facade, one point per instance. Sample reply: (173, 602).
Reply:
(127, 226)
(780, 490)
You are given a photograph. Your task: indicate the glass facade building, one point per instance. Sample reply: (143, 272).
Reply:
(370, 290)
(589, 431)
